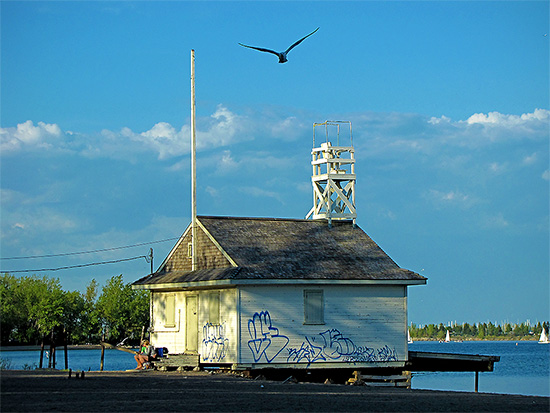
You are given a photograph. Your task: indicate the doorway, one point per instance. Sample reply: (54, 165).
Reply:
(191, 324)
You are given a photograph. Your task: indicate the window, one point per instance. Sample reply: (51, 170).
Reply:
(189, 250)
(213, 305)
(170, 311)
(314, 307)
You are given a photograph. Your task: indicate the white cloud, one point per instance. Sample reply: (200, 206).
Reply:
(259, 192)
(546, 175)
(162, 138)
(499, 119)
(26, 134)
(454, 197)
(495, 221)
(497, 167)
(530, 159)
(442, 119)
(213, 192)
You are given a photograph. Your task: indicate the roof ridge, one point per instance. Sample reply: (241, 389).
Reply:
(269, 219)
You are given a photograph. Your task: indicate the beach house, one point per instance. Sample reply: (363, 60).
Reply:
(252, 293)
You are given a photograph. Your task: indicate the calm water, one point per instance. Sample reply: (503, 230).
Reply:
(78, 360)
(523, 368)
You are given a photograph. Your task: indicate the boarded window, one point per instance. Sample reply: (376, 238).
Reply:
(314, 307)
(170, 311)
(213, 307)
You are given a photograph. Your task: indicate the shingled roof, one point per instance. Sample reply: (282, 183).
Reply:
(280, 249)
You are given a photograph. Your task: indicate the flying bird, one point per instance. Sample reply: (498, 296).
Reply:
(281, 55)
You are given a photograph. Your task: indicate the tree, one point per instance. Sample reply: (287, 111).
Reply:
(13, 317)
(122, 311)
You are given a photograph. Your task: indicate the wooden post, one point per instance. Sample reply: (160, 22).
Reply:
(65, 347)
(193, 170)
(102, 353)
(41, 353)
(51, 351)
(476, 386)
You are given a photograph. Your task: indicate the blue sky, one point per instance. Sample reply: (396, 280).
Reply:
(449, 103)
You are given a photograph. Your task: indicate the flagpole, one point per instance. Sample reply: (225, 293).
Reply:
(193, 169)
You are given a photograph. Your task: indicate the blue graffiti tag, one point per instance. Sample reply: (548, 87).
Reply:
(265, 339)
(387, 354)
(337, 347)
(307, 352)
(214, 342)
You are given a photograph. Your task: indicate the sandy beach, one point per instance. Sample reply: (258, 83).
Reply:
(33, 391)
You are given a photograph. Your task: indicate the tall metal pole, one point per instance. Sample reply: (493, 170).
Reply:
(193, 170)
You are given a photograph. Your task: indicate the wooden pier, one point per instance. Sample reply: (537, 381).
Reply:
(427, 361)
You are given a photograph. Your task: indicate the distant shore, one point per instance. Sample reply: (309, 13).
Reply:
(458, 339)
(47, 347)
(98, 346)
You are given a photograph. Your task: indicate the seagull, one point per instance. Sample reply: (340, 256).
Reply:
(281, 55)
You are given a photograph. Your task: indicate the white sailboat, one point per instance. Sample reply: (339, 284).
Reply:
(448, 337)
(409, 339)
(543, 337)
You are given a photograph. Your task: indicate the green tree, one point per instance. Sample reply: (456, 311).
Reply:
(122, 311)
(481, 331)
(13, 317)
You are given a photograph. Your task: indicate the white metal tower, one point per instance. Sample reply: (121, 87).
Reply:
(333, 176)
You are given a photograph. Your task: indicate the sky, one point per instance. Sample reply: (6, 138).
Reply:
(449, 104)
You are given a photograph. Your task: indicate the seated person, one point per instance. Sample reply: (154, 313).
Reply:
(146, 354)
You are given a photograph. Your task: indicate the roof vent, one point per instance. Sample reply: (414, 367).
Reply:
(333, 176)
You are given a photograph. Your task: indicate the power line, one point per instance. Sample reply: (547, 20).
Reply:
(88, 252)
(77, 266)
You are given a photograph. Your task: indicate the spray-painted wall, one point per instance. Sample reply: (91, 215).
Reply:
(360, 324)
(214, 323)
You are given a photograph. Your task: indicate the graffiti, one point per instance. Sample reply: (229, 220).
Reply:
(330, 345)
(265, 339)
(387, 354)
(361, 355)
(307, 352)
(334, 346)
(213, 338)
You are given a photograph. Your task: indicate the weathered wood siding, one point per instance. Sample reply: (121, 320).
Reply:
(172, 338)
(208, 255)
(217, 338)
(362, 324)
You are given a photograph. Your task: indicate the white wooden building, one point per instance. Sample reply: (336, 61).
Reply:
(281, 293)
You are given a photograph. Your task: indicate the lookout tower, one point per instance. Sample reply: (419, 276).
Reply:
(333, 176)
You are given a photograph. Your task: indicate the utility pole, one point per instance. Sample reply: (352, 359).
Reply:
(193, 170)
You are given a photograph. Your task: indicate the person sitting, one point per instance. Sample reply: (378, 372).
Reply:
(146, 354)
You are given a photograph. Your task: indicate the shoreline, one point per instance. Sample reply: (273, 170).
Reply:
(59, 348)
(98, 346)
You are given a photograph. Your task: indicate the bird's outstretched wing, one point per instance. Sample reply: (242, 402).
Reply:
(261, 49)
(300, 41)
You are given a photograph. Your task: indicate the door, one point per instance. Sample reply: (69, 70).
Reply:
(191, 324)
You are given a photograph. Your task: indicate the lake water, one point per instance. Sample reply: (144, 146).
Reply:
(523, 368)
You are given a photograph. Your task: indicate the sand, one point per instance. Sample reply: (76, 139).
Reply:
(148, 391)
